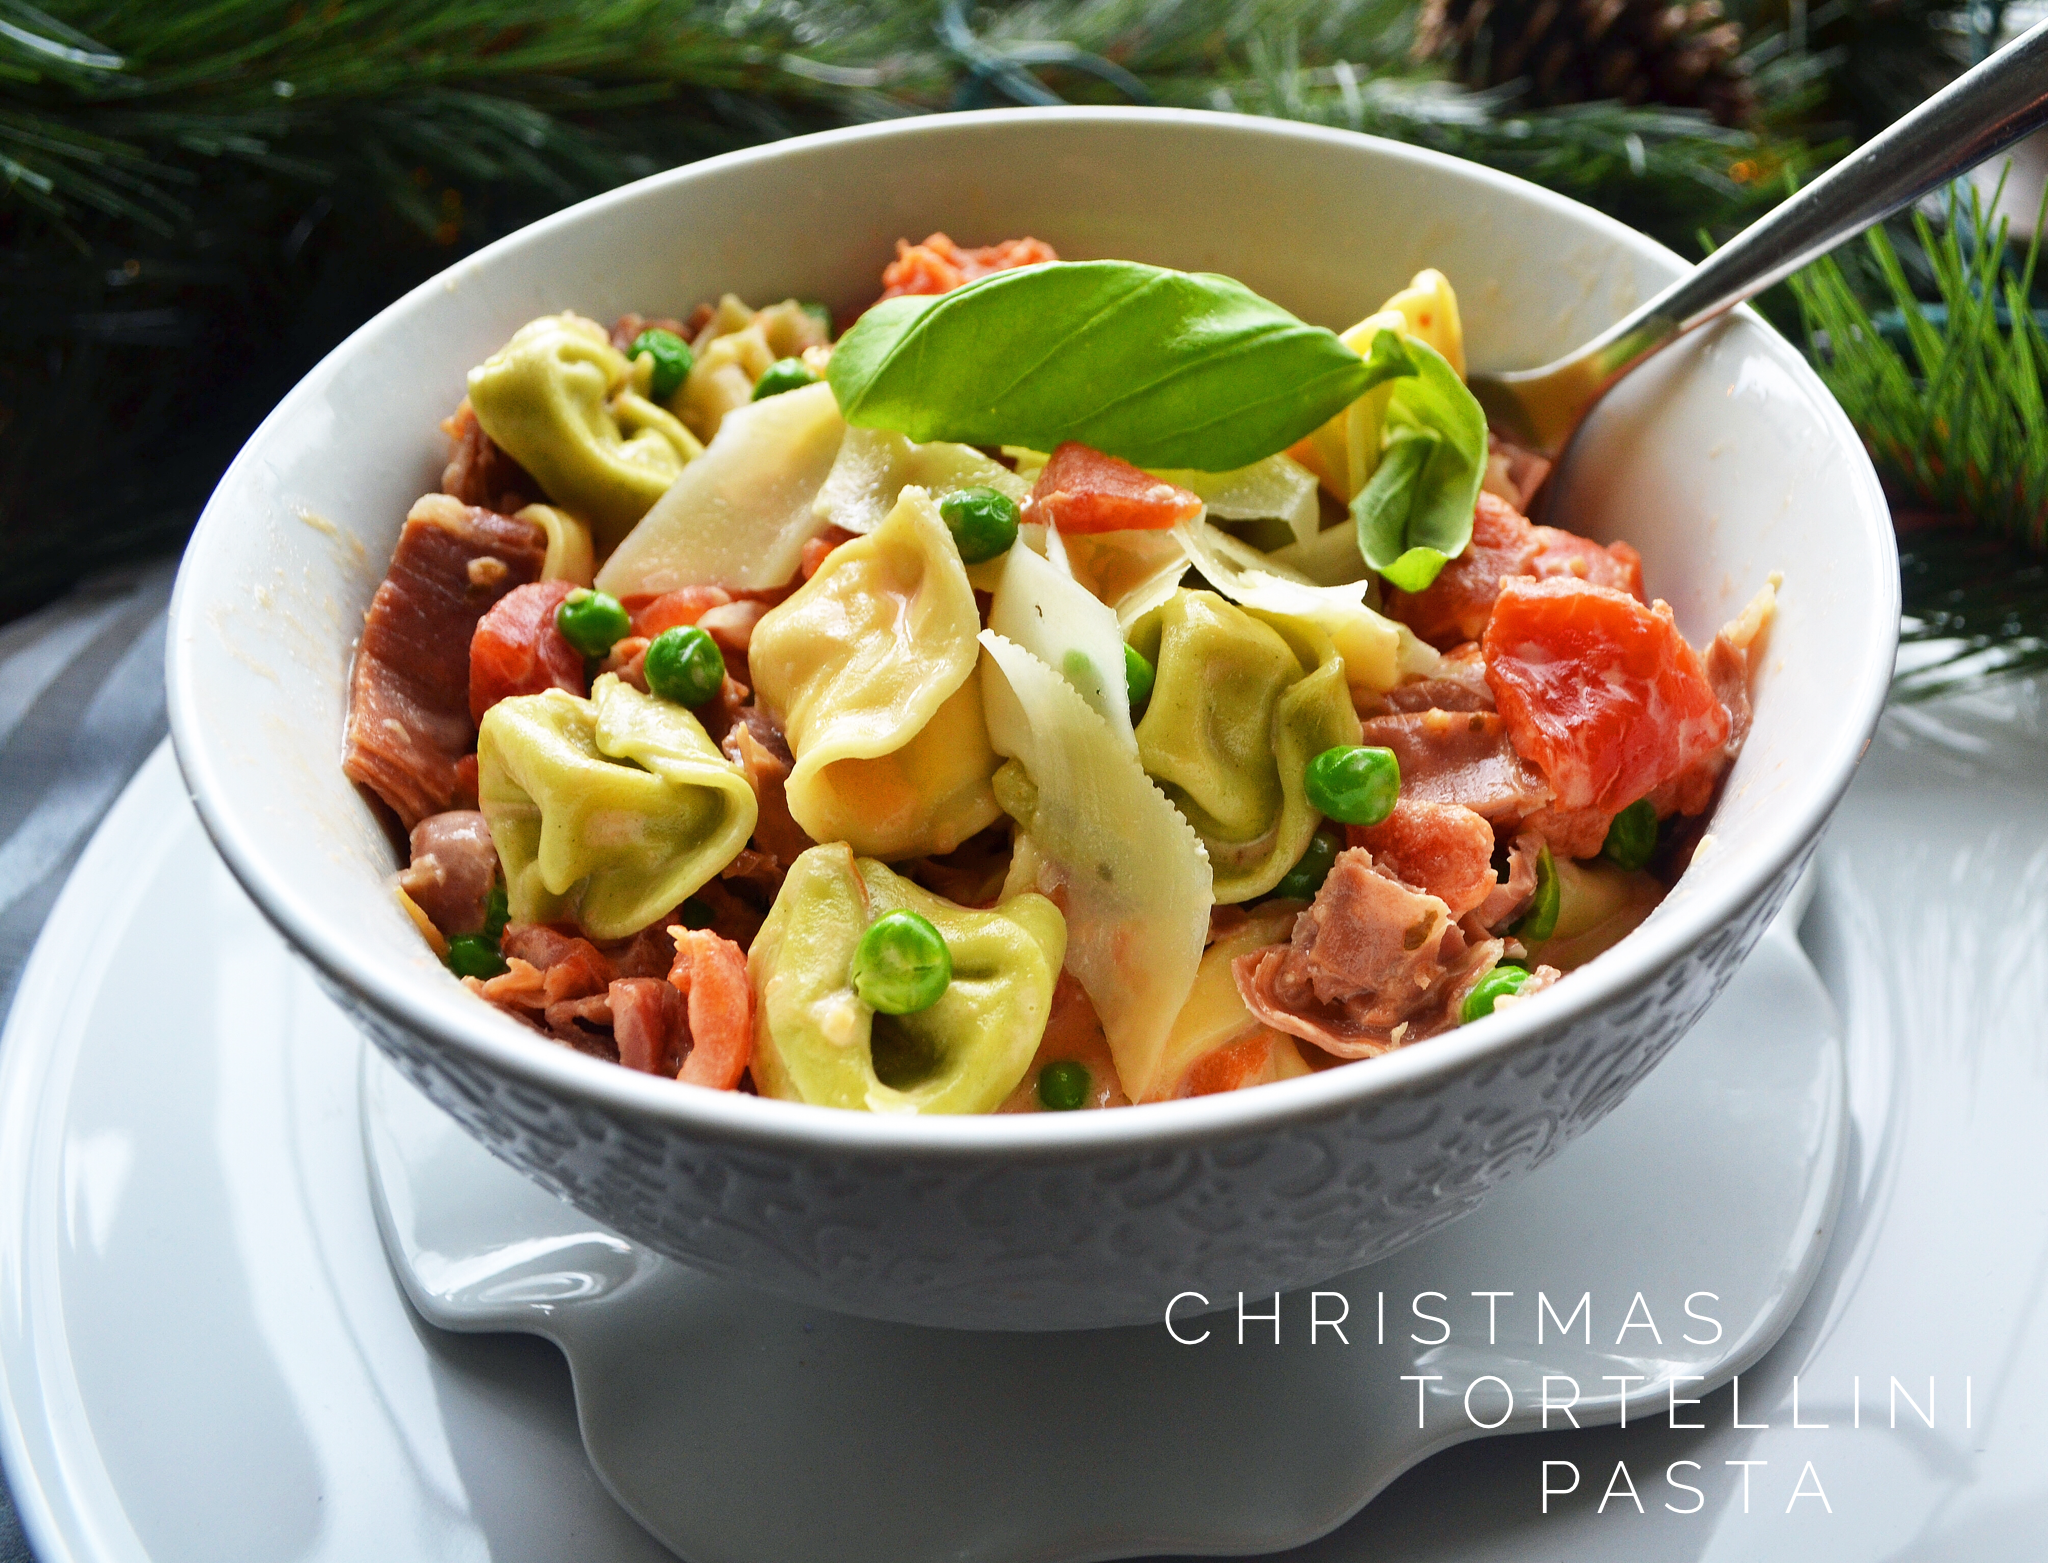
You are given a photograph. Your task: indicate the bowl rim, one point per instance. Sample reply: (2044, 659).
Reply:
(506, 1047)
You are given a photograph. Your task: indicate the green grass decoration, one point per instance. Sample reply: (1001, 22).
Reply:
(1948, 397)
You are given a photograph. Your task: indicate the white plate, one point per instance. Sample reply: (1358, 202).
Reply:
(203, 1353)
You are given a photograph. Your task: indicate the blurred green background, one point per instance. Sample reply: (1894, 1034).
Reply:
(201, 199)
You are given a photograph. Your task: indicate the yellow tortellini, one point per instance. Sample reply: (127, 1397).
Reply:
(609, 810)
(868, 668)
(1242, 702)
(570, 556)
(1344, 451)
(733, 351)
(562, 402)
(815, 1041)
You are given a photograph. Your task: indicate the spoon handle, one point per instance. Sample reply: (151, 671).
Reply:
(1980, 113)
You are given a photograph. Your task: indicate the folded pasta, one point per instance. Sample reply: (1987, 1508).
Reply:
(816, 1041)
(559, 399)
(868, 670)
(609, 810)
(1242, 703)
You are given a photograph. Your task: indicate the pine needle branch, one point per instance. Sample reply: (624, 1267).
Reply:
(1950, 404)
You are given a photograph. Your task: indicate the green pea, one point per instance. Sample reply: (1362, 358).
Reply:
(592, 622)
(1490, 990)
(672, 357)
(983, 522)
(1064, 1086)
(785, 374)
(1540, 921)
(822, 313)
(1354, 785)
(684, 665)
(1632, 837)
(474, 955)
(696, 913)
(901, 964)
(1301, 882)
(1138, 676)
(497, 912)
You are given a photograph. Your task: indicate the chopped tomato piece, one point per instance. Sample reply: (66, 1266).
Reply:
(517, 650)
(1443, 848)
(1082, 490)
(673, 609)
(712, 974)
(1601, 693)
(939, 265)
(1566, 553)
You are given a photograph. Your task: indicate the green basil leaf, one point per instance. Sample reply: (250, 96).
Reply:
(1388, 359)
(1414, 514)
(1162, 368)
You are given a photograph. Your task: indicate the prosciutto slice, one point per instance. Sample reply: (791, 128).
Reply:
(1373, 964)
(1460, 757)
(453, 868)
(409, 724)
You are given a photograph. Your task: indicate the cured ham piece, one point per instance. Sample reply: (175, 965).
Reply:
(453, 868)
(1457, 605)
(1372, 965)
(756, 745)
(1602, 693)
(939, 265)
(648, 1024)
(1443, 849)
(1508, 898)
(1459, 684)
(1080, 490)
(517, 650)
(1461, 757)
(480, 471)
(409, 723)
(572, 968)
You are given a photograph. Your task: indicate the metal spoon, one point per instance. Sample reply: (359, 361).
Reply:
(1980, 113)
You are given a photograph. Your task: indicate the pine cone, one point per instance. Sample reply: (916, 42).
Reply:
(1683, 55)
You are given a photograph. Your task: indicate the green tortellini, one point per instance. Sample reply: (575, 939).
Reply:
(815, 1041)
(1242, 702)
(609, 810)
(566, 405)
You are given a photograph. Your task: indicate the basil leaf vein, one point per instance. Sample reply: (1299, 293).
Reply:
(1162, 368)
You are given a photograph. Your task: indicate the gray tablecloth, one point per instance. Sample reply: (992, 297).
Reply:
(81, 707)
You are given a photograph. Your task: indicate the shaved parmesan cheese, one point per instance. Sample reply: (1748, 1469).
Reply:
(740, 514)
(874, 466)
(1378, 653)
(1097, 837)
(1057, 620)
(1277, 489)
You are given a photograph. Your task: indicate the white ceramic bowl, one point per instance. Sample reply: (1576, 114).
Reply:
(1723, 461)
